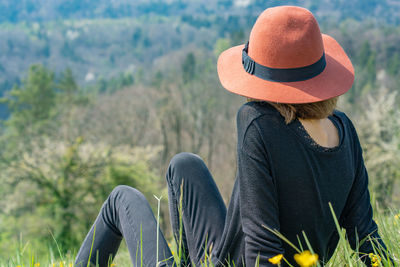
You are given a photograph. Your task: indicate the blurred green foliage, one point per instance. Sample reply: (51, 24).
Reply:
(31, 104)
(42, 10)
(115, 99)
(53, 180)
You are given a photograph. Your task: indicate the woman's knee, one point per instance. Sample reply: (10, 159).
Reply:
(185, 159)
(128, 193)
(181, 165)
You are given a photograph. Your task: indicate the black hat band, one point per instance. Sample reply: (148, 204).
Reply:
(281, 75)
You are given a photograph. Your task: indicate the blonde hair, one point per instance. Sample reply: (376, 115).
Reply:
(316, 110)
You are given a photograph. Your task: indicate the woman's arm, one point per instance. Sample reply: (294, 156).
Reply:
(356, 217)
(258, 200)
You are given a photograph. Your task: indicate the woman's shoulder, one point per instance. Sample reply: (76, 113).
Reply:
(349, 131)
(254, 118)
(253, 110)
(344, 119)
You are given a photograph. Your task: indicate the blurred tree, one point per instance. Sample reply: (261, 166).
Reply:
(365, 53)
(188, 68)
(371, 67)
(225, 4)
(101, 85)
(62, 186)
(136, 36)
(67, 85)
(121, 118)
(68, 51)
(379, 131)
(238, 37)
(32, 104)
(220, 45)
(69, 98)
(157, 80)
(394, 64)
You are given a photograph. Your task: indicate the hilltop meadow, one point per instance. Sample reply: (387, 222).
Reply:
(97, 95)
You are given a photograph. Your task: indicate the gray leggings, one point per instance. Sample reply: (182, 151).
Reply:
(127, 214)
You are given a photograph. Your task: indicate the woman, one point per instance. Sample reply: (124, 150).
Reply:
(295, 156)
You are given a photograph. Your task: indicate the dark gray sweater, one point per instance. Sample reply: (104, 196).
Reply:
(285, 181)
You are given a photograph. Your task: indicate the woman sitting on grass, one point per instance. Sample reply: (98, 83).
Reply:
(296, 154)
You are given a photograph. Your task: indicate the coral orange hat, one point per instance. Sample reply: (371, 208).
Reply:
(286, 60)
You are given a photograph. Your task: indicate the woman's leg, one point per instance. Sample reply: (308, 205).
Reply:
(203, 210)
(126, 213)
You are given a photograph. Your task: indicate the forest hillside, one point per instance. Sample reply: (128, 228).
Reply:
(100, 93)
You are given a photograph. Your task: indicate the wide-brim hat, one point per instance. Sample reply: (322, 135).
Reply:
(286, 60)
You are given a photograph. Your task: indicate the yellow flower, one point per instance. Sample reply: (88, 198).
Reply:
(276, 259)
(306, 259)
(18, 265)
(37, 264)
(112, 264)
(397, 216)
(375, 259)
(70, 265)
(61, 264)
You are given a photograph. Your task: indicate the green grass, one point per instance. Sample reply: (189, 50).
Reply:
(389, 228)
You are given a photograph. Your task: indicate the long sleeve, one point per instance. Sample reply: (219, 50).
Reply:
(357, 214)
(258, 200)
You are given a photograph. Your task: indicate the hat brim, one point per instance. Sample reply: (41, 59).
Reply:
(336, 79)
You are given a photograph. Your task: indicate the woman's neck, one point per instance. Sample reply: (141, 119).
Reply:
(322, 131)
